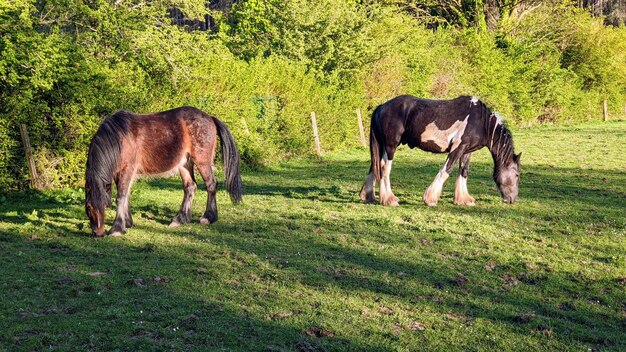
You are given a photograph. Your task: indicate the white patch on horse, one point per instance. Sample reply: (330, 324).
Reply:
(474, 101)
(461, 195)
(443, 138)
(387, 174)
(384, 159)
(498, 118)
(496, 124)
(433, 192)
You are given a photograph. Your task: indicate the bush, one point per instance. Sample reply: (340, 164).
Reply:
(65, 67)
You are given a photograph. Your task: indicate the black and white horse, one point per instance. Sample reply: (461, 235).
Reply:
(458, 127)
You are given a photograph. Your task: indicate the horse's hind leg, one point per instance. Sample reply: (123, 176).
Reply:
(386, 194)
(129, 217)
(461, 195)
(189, 187)
(367, 191)
(123, 220)
(210, 215)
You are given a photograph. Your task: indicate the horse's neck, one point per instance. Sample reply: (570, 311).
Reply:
(499, 142)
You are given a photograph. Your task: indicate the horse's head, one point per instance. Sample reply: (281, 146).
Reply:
(507, 179)
(102, 160)
(97, 198)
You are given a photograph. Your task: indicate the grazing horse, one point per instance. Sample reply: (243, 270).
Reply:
(127, 145)
(458, 127)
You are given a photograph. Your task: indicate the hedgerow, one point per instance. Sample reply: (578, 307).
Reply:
(268, 64)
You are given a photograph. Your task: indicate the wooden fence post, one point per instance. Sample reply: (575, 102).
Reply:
(245, 126)
(316, 135)
(361, 130)
(605, 110)
(34, 179)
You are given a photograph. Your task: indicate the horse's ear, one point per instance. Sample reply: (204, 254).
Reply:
(517, 157)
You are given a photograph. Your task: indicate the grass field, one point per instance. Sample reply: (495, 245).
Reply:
(303, 265)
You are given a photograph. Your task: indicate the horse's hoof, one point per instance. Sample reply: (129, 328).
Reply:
(430, 203)
(175, 223)
(468, 203)
(431, 198)
(368, 199)
(391, 202)
(206, 221)
(116, 234)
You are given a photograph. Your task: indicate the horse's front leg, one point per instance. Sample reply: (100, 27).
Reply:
(433, 192)
(461, 195)
(123, 219)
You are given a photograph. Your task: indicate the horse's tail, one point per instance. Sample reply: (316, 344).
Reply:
(377, 144)
(230, 154)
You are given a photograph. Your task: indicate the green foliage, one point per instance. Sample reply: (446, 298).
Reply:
(65, 65)
(331, 37)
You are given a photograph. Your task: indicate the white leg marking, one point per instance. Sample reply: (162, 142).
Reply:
(391, 198)
(386, 195)
(433, 192)
(461, 195)
(122, 209)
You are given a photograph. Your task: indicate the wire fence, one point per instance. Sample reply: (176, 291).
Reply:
(11, 150)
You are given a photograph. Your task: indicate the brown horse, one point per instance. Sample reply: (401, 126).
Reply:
(458, 127)
(127, 145)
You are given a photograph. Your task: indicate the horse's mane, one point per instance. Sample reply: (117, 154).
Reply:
(499, 138)
(103, 157)
(503, 149)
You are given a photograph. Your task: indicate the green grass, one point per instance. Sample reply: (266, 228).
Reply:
(304, 265)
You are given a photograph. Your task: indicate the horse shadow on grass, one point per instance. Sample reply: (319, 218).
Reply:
(599, 194)
(340, 181)
(512, 294)
(137, 306)
(84, 294)
(520, 296)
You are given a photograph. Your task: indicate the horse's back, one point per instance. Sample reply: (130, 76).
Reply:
(163, 141)
(427, 124)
